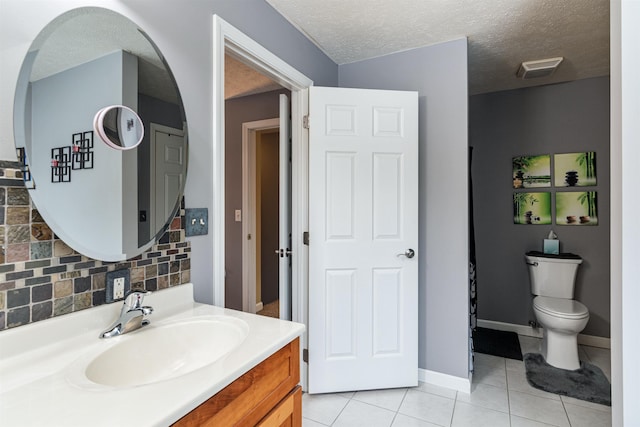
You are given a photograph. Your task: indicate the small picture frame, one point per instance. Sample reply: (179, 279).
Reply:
(577, 208)
(532, 208)
(575, 169)
(531, 171)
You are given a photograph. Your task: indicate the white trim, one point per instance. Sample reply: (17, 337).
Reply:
(444, 380)
(237, 44)
(217, 163)
(590, 340)
(511, 327)
(594, 341)
(259, 306)
(249, 130)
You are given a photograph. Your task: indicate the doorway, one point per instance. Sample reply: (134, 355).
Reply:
(261, 217)
(228, 39)
(267, 222)
(257, 192)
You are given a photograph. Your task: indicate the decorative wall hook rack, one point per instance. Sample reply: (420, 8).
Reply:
(77, 156)
(24, 168)
(60, 164)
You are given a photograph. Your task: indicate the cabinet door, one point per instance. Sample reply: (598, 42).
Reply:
(252, 397)
(288, 413)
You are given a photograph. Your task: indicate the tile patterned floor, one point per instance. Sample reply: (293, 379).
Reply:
(500, 396)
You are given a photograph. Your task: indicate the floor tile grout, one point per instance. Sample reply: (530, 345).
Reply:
(490, 365)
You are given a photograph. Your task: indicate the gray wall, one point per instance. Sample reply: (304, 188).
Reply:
(439, 74)
(64, 104)
(562, 118)
(238, 111)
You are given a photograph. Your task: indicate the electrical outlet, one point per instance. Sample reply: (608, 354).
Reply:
(118, 288)
(117, 284)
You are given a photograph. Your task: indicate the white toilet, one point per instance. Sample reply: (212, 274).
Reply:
(552, 280)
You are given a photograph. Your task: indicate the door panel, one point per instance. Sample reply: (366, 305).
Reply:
(387, 306)
(387, 196)
(363, 216)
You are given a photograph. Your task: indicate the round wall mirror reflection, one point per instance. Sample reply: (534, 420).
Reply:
(107, 204)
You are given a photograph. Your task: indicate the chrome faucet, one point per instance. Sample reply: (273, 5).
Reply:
(131, 315)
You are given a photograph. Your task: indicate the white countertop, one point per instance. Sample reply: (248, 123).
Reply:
(39, 361)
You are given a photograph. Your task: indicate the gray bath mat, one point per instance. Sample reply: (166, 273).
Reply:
(587, 383)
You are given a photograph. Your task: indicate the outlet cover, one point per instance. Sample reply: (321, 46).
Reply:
(118, 288)
(110, 288)
(196, 222)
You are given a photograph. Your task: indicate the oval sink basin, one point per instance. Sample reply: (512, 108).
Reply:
(161, 352)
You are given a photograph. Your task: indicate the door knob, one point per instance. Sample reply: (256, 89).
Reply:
(409, 253)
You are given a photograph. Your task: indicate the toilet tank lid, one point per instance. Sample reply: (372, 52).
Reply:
(565, 255)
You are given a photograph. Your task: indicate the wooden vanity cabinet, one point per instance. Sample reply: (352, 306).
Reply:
(266, 396)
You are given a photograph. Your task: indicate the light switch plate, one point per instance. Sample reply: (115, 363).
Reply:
(196, 221)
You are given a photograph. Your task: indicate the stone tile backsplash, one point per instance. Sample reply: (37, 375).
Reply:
(42, 277)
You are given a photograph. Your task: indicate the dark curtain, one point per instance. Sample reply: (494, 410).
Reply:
(473, 317)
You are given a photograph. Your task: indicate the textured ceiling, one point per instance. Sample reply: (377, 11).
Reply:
(59, 47)
(240, 80)
(501, 33)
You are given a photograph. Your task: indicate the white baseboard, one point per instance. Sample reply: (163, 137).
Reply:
(593, 341)
(528, 331)
(444, 380)
(259, 306)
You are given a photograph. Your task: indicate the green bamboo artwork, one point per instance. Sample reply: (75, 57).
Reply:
(575, 169)
(532, 208)
(532, 171)
(577, 208)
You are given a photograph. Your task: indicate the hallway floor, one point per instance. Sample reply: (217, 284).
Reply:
(500, 397)
(271, 309)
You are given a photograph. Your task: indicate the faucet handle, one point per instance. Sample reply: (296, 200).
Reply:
(134, 298)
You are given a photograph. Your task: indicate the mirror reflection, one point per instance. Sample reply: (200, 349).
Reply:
(119, 127)
(106, 204)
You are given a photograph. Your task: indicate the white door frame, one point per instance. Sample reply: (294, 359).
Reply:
(249, 132)
(241, 47)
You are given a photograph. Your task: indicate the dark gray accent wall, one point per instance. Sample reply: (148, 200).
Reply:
(561, 118)
(439, 74)
(269, 215)
(238, 111)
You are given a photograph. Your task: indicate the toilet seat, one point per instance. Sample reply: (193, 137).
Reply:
(560, 307)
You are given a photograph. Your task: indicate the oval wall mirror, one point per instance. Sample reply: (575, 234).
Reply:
(94, 64)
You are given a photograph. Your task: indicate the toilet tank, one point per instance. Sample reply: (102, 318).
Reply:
(552, 275)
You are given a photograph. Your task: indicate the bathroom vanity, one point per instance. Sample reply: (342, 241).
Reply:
(267, 395)
(195, 364)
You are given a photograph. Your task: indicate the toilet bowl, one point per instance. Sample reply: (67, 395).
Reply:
(552, 279)
(562, 320)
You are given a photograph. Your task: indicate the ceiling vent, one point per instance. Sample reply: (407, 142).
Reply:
(539, 68)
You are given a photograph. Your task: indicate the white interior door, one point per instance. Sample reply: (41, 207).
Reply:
(167, 172)
(284, 268)
(363, 226)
